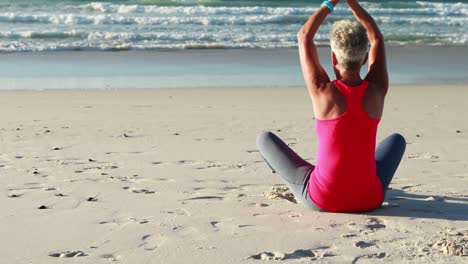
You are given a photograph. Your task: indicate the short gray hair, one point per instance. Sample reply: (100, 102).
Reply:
(349, 42)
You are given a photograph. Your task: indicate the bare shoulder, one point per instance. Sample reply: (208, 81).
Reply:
(328, 102)
(324, 90)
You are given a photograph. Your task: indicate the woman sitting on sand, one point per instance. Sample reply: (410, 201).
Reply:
(351, 175)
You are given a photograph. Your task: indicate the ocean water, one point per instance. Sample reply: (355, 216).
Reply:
(52, 25)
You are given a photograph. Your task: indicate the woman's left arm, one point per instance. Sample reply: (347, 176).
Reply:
(314, 74)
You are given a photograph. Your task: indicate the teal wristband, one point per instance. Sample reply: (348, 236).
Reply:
(329, 5)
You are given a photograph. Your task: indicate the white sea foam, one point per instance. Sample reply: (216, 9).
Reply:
(108, 26)
(22, 47)
(157, 37)
(43, 34)
(427, 9)
(196, 10)
(75, 19)
(432, 21)
(446, 8)
(107, 19)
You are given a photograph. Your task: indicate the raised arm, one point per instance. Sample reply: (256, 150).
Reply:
(377, 60)
(314, 74)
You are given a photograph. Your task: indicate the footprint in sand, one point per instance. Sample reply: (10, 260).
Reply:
(92, 199)
(101, 168)
(428, 156)
(380, 255)
(203, 165)
(280, 193)
(205, 198)
(296, 255)
(349, 235)
(68, 254)
(132, 178)
(294, 215)
(110, 257)
(453, 243)
(268, 256)
(375, 224)
(125, 220)
(364, 244)
(186, 162)
(149, 242)
(220, 165)
(143, 191)
(214, 223)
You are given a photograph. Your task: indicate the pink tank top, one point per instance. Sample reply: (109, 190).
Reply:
(344, 179)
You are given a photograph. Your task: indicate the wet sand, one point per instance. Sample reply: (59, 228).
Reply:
(279, 68)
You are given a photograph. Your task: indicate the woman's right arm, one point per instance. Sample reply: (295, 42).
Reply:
(314, 74)
(378, 73)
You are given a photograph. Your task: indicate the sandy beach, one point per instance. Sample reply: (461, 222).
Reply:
(128, 133)
(173, 176)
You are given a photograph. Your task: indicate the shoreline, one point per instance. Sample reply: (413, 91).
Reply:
(210, 68)
(221, 48)
(211, 89)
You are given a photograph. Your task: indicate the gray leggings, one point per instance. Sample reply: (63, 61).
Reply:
(295, 171)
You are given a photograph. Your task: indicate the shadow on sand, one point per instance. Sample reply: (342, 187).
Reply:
(424, 206)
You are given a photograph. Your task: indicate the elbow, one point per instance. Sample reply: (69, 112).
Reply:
(305, 34)
(375, 33)
(304, 39)
(301, 35)
(376, 38)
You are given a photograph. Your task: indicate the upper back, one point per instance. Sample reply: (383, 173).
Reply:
(329, 102)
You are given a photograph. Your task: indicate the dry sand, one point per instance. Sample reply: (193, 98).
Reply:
(173, 176)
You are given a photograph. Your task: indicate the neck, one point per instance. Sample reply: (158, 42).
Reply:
(349, 77)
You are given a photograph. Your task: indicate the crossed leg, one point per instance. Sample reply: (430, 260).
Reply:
(295, 171)
(388, 155)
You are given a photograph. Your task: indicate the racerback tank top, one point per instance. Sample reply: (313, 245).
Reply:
(344, 179)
